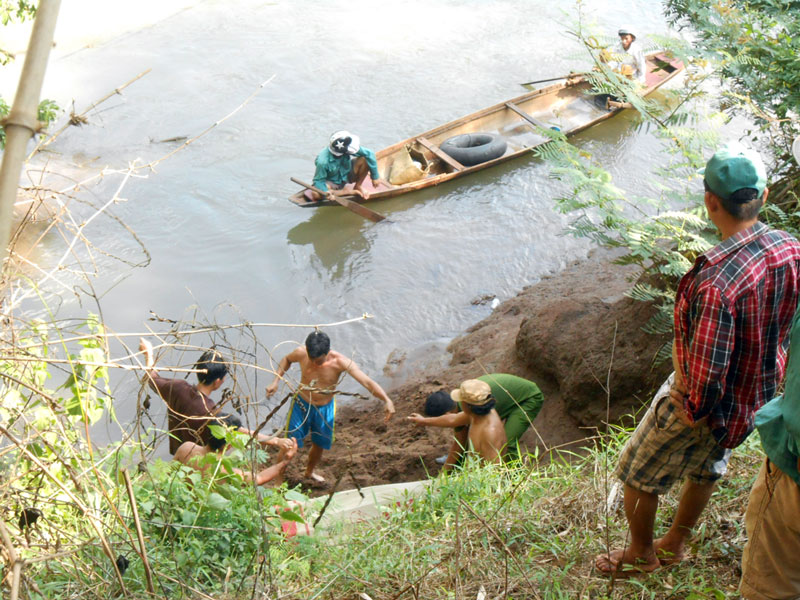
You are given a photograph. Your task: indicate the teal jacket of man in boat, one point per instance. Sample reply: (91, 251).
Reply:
(338, 169)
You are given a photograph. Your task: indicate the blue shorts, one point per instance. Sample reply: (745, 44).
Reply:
(319, 419)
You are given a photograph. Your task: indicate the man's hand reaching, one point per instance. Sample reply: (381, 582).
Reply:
(389, 411)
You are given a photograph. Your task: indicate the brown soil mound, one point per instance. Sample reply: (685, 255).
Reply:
(559, 332)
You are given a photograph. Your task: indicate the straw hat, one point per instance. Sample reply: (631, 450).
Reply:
(472, 391)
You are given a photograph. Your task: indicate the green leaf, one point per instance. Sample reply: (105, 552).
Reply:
(296, 496)
(288, 515)
(217, 501)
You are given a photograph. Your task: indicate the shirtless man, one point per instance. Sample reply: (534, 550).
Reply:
(314, 406)
(192, 454)
(487, 435)
(517, 402)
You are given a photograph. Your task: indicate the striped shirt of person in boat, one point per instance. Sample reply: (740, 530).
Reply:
(344, 161)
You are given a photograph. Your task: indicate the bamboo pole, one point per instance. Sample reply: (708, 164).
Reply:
(21, 122)
(13, 561)
(148, 574)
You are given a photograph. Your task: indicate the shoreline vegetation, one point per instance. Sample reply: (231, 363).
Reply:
(78, 521)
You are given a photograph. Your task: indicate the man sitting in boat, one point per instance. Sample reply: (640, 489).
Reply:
(478, 425)
(627, 57)
(344, 161)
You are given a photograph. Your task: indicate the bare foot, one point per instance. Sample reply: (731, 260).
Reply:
(669, 554)
(620, 563)
(314, 476)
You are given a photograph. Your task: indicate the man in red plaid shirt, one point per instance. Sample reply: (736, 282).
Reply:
(733, 311)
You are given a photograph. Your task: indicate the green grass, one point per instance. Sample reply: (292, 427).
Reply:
(551, 518)
(527, 531)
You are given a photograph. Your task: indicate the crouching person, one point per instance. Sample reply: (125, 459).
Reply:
(192, 454)
(482, 430)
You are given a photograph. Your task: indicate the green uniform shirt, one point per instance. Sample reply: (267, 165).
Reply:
(518, 401)
(514, 393)
(778, 421)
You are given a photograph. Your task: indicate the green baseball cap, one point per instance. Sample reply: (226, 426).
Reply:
(732, 168)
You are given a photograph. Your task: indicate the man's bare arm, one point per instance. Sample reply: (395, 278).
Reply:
(373, 388)
(448, 420)
(268, 440)
(284, 457)
(283, 366)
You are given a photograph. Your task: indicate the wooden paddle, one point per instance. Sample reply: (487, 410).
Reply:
(355, 207)
(544, 80)
(575, 77)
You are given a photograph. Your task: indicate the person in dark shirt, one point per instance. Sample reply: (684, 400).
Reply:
(189, 407)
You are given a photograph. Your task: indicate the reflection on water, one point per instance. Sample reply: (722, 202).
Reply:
(330, 232)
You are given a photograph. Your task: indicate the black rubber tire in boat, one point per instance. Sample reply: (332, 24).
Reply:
(474, 148)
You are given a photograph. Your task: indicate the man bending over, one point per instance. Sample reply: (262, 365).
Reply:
(486, 438)
(518, 401)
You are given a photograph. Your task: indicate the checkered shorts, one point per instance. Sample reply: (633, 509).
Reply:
(663, 450)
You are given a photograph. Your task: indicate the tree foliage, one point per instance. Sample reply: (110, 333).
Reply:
(14, 11)
(747, 47)
(754, 47)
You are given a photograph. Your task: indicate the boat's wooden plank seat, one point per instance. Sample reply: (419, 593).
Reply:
(526, 116)
(423, 141)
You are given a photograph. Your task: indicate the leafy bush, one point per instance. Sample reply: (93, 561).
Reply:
(753, 47)
(206, 530)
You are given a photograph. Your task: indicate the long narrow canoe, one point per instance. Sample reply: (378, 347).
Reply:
(568, 106)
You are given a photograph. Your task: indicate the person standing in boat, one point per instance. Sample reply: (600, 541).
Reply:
(344, 161)
(627, 57)
(314, 406)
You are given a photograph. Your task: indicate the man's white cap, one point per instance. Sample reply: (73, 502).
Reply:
(796, 148)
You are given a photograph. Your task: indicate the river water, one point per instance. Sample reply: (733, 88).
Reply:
(224, 241)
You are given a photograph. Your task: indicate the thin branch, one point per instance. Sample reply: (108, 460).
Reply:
(81, 118)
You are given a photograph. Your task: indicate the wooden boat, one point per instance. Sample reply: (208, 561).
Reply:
(568, 106)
